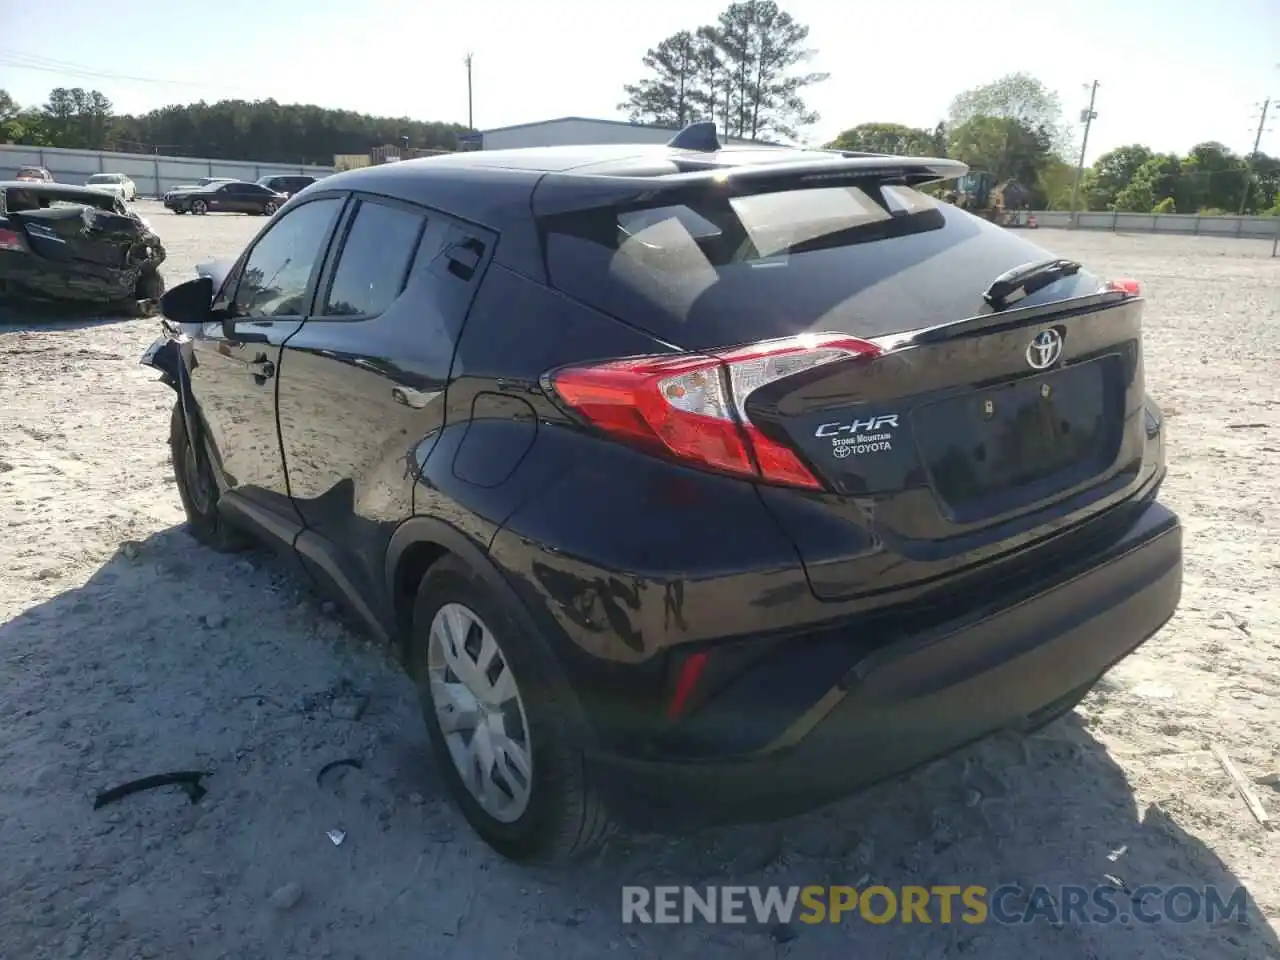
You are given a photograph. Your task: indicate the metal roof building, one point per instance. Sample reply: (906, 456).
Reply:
(574, 131)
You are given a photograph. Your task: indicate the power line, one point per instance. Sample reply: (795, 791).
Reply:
(18, 60)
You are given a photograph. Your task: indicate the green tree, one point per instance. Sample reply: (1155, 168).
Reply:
(775, 44)
(742, 72)
(892, 138)
(1004, 147)
(1054, 184)
(9, 111)
(1016, 96)
(669, 97)
(1264, 182)
(1162, 170)
(1137, 196)
(1210, 177)
(60, 117)
(1110, 174)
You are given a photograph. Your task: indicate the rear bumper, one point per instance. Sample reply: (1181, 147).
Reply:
(924, 696)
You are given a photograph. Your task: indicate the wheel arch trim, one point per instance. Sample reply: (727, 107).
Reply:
(418, 531)
(431, 531)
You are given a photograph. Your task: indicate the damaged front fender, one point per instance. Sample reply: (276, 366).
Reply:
(165, 355)
(172, 356)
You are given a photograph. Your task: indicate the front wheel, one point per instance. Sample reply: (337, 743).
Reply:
(270, 208)
(199, 208)
(199, 490)
(496, 717)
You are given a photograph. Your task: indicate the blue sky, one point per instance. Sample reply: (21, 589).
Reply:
(1173, 72)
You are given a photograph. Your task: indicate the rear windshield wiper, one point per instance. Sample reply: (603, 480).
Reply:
(1020, 282)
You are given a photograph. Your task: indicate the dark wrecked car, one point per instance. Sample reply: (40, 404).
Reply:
(67, 245)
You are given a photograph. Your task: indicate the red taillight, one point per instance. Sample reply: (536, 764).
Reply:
(1130, 287)
(9, 240)
(693, 406)
(690, 672)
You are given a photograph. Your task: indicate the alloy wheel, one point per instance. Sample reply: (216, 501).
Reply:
(480, 712)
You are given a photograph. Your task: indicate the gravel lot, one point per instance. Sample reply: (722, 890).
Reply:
(126, 650)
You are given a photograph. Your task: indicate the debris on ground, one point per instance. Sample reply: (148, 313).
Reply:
(782, 933)
(336, 836)
(1251, 799)
(188, 780)
(334, 764)
(287, 896)
(349, 707)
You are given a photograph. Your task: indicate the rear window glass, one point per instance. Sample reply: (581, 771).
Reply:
(716, 271)
(374, 261)
(20, 200)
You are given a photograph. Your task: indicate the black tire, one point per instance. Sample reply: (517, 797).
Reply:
(565, 819)
(198, 208)
(269, 208)
(150, 285)
(198, 490)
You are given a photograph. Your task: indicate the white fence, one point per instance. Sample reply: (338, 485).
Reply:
(1265, 228)
(153, 174)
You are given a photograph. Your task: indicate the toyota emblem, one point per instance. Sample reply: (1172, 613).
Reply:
(1044, 350)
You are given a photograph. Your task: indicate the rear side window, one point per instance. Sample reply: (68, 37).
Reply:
(709, 270)
(374, 261)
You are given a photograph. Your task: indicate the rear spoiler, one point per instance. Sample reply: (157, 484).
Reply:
(699, 176)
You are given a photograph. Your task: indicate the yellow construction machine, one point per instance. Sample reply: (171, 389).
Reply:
(1005, 203)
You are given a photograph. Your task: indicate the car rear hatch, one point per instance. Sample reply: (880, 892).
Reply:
(950, 410)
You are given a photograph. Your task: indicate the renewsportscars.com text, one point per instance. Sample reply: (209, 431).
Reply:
(1007, 904)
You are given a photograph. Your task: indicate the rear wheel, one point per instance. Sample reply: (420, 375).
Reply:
(199, 490)
(497, 723)
(199, 207)
(150, 285)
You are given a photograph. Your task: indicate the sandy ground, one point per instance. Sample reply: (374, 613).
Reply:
(126, 649)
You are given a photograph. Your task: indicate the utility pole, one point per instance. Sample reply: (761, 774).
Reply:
(1087, 115)
(470, 122)
(1248, 164)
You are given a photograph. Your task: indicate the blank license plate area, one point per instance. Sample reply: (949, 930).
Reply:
(1020, 435)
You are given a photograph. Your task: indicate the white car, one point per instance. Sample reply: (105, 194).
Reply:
(116, 183)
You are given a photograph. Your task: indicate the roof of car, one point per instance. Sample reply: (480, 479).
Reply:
(489, 186)
(46, 187)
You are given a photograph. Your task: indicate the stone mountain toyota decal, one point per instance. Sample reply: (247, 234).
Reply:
(873, 435)
(1044, 349)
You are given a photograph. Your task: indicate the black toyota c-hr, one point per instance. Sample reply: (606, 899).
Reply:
(693, 484)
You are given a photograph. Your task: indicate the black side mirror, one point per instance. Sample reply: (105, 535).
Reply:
(189, 302)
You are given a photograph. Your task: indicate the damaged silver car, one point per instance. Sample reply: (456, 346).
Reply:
(71, 246)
